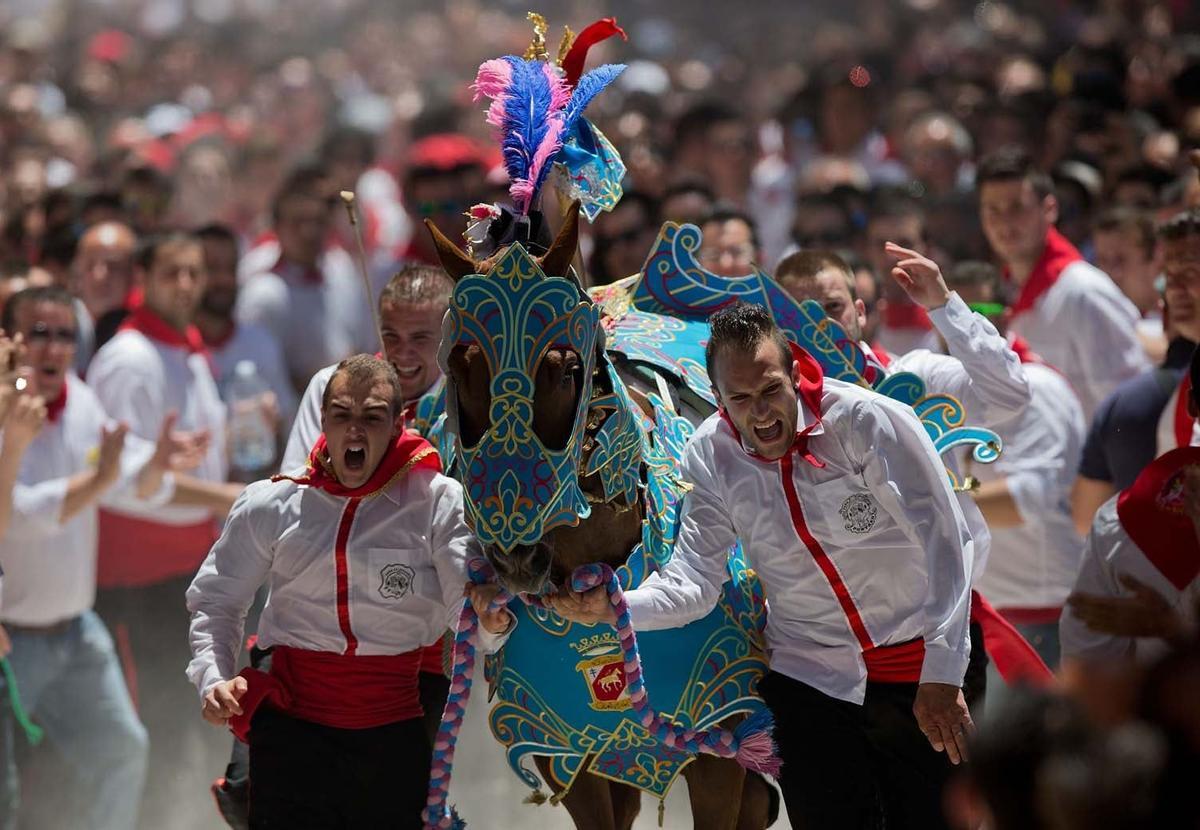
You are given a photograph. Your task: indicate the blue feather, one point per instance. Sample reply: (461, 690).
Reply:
(590, 85)
(526, 117)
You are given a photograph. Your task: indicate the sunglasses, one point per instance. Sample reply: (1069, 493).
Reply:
(41, 333)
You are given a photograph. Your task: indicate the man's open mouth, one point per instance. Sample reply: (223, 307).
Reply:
(408, 372)
(769, 433)
(355, 458)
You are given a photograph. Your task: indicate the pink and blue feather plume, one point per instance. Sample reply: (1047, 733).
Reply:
(533, 109)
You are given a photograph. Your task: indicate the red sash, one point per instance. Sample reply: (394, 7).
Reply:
(1057, 255)
(431, 659)
(900, 663)
(134, 552)
(1015, 659)
(338, 690)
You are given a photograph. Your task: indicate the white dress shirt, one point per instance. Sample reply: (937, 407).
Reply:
(902, 548)
(406, 555)
(49, 565)
(138, 380)
(1034, 565)
(1109, 554)
(1087, 329)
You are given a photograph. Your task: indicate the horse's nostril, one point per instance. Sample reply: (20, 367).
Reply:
(525, 570)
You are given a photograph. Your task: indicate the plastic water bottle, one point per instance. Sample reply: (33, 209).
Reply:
(251, 434)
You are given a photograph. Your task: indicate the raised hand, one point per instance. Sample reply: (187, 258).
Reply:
(26, 415)
(919, 276)
(942, 714)
(12, 378)
(177, 451)
(112, 443)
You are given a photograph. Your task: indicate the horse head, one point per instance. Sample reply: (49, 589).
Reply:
(522, 347)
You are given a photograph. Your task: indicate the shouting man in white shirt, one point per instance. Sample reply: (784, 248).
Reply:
(845, 512)
(366, 557)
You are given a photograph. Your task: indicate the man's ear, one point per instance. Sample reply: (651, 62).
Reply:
(860, 309)
(1050, 208)
(717, 394)
(796, 375)
(398, 423)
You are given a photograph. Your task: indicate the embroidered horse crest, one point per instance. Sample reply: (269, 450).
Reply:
(858, 513)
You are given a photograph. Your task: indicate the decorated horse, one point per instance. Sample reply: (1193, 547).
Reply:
(563, 424)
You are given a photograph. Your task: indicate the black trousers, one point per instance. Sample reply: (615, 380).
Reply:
(305, 776)
(432, 688)
(851, 767)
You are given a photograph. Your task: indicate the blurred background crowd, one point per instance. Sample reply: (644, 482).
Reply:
(776, 126)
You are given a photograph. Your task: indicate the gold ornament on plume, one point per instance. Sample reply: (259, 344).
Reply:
(537, 46)
(564, 45)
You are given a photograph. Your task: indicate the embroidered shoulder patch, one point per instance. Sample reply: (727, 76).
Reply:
(858, 513)
(395, 581)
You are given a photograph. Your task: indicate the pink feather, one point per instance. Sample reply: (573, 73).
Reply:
(560, 93)
(492, 81)
(550, 145)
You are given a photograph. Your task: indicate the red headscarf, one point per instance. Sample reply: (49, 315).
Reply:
(1152, 512)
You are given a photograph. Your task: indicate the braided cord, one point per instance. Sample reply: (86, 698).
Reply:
(32, 731)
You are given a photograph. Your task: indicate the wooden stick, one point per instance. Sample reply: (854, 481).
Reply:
(348, 201)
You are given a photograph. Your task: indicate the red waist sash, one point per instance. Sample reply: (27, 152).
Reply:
(134, 552)
(338, 690)
(431, 658)
(1015, 659)
(900, 663)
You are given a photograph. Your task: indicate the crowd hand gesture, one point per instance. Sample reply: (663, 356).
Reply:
(12, 380)
(178, 451)
(919, 276)
(942, 715)
(108, 464)
(1144, 614)
(222, 701)
(496, 621)
(587, 607)
(26, 415)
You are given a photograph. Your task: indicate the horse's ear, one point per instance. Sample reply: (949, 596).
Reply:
(557, 261)
(456, 263)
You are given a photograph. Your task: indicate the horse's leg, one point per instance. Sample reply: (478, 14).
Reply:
(589, 801)
(627, 803)
(715, 792)
(757, 799)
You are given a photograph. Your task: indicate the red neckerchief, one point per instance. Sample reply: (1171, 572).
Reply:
(812, 385)
(881, 355)
(1057, 255)
(309, 274)
(409, 451)
(1149, 510)
(54, 408)
(905, 315)
(1184, 423)
(222, 341)
(156, 328)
